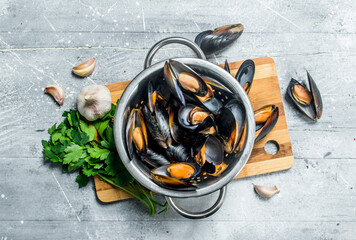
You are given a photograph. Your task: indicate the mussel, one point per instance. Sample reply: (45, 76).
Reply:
(208, 153)
(136, 132)
(136, 136)
(266, 118)
(182, 79)
(230, 123)
(195, 118)
(154, 96)
(175, 174)
(308, 101)
(245, 74)
(211, 41)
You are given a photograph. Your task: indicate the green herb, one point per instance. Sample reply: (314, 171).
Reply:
(72, 143)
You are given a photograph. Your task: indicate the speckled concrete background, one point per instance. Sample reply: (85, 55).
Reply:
(40, 41)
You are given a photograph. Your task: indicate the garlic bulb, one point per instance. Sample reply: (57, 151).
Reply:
(94, 101)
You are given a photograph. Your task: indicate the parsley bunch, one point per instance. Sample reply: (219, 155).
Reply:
(74, 144)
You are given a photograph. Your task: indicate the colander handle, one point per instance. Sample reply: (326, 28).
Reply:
(202, 214)
(170, 40)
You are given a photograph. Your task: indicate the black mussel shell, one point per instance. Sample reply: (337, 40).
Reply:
(208, 151)
(153, 128)
(128, 133)
(184, 119)
(305, 106)
(177, 132)
(245, 74)
(154, 96)
(162, 119)
(154, 159)
(177, 153)
(262, 115)
(226, 66)
(136, 132)
(172, 82)
(269, 125)
(230, 123)
(318, 102)
(213, 41)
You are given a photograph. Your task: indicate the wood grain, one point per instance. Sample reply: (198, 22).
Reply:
(265, 90)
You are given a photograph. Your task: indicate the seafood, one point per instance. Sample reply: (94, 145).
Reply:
(307, 100)
(211, 41)
(175, 174)
(266, 118)
(185, 135)
(245, 74)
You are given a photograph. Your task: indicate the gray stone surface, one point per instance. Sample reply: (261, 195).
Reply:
(40, 41)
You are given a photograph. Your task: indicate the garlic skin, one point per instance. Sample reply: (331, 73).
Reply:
(85, 69)
(265, 192)
(56, 92)
(94, 101)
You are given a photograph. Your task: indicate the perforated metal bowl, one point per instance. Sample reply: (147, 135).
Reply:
(137, 90)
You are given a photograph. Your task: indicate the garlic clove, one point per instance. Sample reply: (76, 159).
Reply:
(57, 93)
(85, 69)
(265, 192)
(94, 101)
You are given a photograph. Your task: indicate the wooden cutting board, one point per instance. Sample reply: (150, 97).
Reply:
(265, 90)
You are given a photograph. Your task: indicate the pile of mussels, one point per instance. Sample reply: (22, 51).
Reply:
(192, 132)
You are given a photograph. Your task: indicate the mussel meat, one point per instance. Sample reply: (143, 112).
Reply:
(308, 101)
(270, 121)
(212, 41)
(195, 118)
(175, 174)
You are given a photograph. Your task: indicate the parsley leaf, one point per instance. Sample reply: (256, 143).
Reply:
(73, 153)
(88, 129)
(82, 180)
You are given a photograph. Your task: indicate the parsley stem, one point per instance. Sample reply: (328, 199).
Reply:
(148, 198)
(126, 190)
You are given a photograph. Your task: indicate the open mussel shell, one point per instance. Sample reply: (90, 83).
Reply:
(181, 78)
(245, 74)
(154, 96)
(230, 123)
(194, 118)
(136, 132)
(208, 152)
(175, 174)
(268, 125)
(262, 115)
(172, 81)
(213, 41)
(318, 102)
(302, 98)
